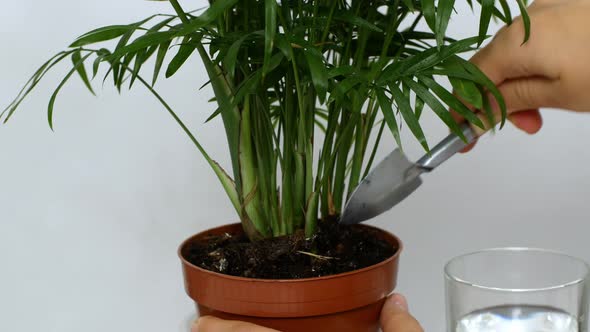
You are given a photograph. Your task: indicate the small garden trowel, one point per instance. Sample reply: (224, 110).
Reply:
(395, 178)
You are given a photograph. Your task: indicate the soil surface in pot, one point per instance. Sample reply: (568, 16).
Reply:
(335, 249)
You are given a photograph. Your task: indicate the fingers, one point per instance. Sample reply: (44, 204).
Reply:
(396, 318)
(212, 324)
(528, 93)
(529, 121)
(523, 99)
(469, 147)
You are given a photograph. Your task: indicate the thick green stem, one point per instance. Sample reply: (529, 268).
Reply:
(342, 160)
(358, 154)
(374, 152)
(252, 209)
(299, 191)
(289, 153)
(309, 142)
(311, 215)
(179, 11)
(325, 167)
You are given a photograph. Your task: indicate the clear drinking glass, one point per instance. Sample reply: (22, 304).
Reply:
(517, 290)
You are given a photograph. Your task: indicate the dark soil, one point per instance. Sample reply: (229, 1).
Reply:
(335, 249)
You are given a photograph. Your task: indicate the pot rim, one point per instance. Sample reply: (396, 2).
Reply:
(395, 256)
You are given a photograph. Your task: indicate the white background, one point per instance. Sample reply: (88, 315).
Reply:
(91, 215)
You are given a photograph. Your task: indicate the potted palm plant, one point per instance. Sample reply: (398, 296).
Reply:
(305, 91)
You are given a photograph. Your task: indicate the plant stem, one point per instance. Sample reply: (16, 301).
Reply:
(250, 182)
(229, 114)
(311, 215)
(374, 152)
(178, 9)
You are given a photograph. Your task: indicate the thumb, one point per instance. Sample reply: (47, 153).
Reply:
(396, 318)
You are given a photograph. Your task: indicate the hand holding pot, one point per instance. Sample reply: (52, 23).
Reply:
(394, 318)
(550, 70)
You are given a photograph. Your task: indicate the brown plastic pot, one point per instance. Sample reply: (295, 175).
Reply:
(345, 302)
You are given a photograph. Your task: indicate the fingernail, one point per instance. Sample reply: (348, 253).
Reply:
(398, 301)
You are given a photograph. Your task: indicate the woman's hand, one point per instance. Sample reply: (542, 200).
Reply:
(394, 318)
(552, 69)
